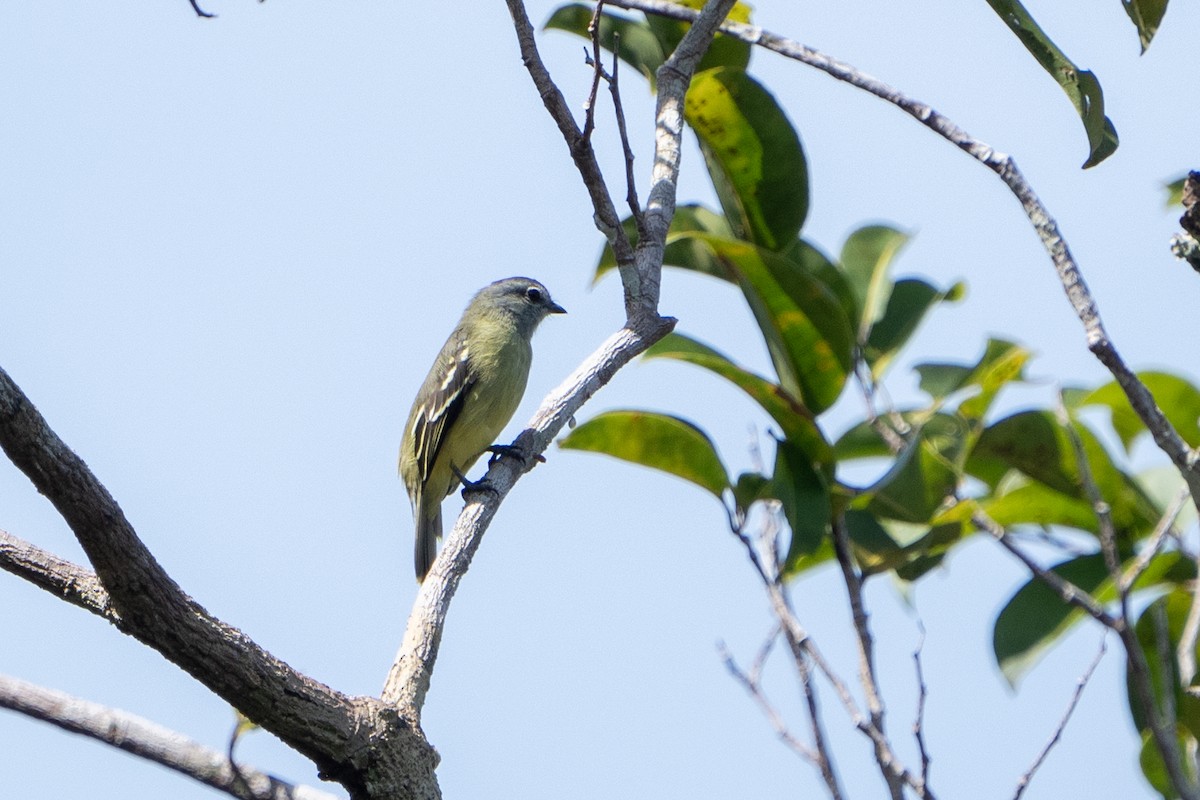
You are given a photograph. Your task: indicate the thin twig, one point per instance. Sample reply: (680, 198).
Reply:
(866, 659)
(1101, 508)
(593, 61)
(753, 688)
(922, 694)
(631, 196)
(199, 11)
(1080, 685)
(1068, 591)
(1157, 538)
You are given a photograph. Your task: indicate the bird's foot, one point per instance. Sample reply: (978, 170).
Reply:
(473, 487)
(500, 451)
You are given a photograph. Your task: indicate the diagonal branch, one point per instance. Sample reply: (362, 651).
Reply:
(1080, 297)
(59, 577)
(409, 678)
(143, 738)
(324, 725)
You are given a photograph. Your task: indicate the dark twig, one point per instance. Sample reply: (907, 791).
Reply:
(1080, 685)
(631, 197)
(866, 661)
(593, 61)
(922, 694)
(199, 11)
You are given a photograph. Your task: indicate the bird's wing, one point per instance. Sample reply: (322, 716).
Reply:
(448, 385)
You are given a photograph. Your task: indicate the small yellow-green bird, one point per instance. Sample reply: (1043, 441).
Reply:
(471, 392)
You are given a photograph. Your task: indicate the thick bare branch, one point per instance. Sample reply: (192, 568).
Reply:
(143, 738)
(342, 735)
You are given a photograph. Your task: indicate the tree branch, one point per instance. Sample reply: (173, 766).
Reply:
(346, 737)
(409, 678)
(150, 741)
(61, 578)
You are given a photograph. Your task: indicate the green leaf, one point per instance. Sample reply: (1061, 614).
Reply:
(1158, 629)
(1178, 399)
(1035, 444)
(806, 331)
(804, 494)
(811, 258)
(1175, 191)
(795, 421)
(1162, 485)
(1154, 768)
(753, 155)
(724, 51)
(639, 46)
(909, 301)
(659, 441)
(1035, 617)
(866, 262)
(923, 478)
(749, 489)
(1146, 16)
(1002, 362)
(1038, 504)
(1080, 86)
(874, 548)
(681, 250)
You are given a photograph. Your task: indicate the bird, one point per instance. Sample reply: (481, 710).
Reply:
(471, 392)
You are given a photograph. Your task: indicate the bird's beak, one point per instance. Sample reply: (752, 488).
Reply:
(555, 308)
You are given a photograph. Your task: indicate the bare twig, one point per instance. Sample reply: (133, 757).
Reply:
(1155, 543)
(593, 61)
(61, 578)
(148, 740)
(1101, 508)
(918, 727)
(750, 683)
(200, 12)
(866, 661)
(1068, 591)
(605, 213)
(631, 197)
(1080, 685)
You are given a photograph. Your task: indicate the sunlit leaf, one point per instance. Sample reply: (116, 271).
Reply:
(753, 155)
(1175, 191)
(724, 51)
(1146, 15)
(806, 331)
(923, 478)
(1002, 362)
(639, 46)
(1178, 399)
(662, 442)
(1080, 86)
(795, 421)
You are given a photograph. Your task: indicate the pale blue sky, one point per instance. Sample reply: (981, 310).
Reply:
(230, 248)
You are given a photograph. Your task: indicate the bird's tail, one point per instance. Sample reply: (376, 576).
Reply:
(429, 530)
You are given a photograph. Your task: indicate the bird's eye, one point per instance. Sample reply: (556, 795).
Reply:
(534, 294)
